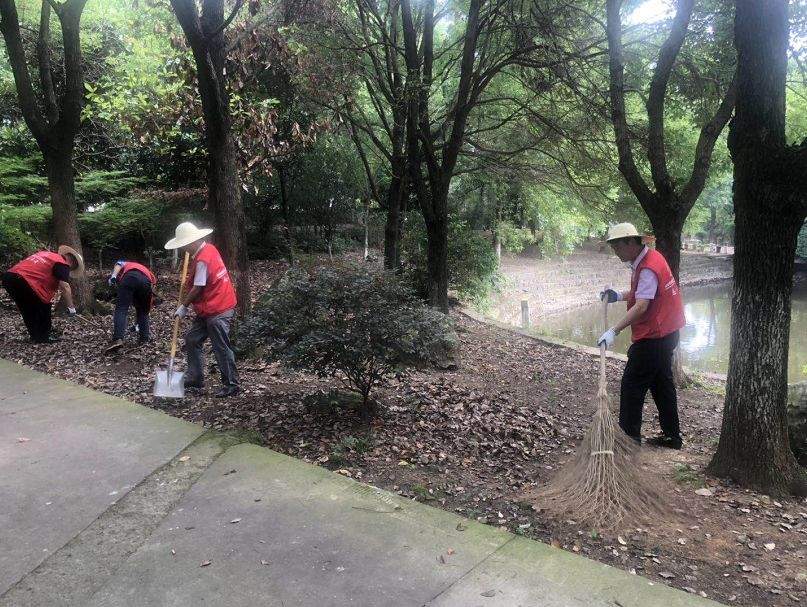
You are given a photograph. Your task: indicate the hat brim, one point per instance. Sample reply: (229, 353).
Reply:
(66, 250)
(175, 243)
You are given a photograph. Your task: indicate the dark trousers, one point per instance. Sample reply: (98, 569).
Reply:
(649, 367)
(35, 312)
(133, 288)
(217, 328)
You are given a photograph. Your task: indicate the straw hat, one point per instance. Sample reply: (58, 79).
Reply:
(621, 230)
(185, 234)
(65, 250)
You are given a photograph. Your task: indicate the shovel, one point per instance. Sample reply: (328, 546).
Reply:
(170, 384)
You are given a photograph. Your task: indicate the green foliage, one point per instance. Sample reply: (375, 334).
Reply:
(98, 187)
(347, 322)
(134, 224)
(33, 220)
(514, 239)
(473, 270)
(15, 244)
(22, 183)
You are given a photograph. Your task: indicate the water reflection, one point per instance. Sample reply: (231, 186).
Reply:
(705, 339)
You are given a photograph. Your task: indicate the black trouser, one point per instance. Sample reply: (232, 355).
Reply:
(649, 367)
(35, 312)
(133, 288)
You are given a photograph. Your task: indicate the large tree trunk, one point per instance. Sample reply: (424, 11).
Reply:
(769, 208)
(206, 39)
(667, 229)
(754, 449)
(61, 185)
(392, 228)
(437, 262)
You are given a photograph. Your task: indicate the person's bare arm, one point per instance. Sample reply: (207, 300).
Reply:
(634, 314)
(191, 296)
(67, 295)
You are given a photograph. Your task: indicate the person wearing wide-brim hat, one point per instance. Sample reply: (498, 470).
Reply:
(210, 291)
(655, 314)
(33, 283)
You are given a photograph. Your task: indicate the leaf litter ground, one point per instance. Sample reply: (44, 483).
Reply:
(476, 439)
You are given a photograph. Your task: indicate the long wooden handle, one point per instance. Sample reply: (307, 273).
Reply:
(181, 293)
(602, 345)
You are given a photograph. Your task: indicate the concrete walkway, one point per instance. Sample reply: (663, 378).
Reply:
(107, 503)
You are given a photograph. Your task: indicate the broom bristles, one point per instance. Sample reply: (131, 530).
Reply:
(603, 484)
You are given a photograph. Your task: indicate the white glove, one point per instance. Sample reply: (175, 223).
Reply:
(71, 311)
(182, 311)
(608, 338)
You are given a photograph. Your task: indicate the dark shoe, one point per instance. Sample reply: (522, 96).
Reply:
(50, 339)
(669, 442)
(228, 391)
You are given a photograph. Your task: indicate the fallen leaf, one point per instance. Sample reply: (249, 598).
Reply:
(22, 439)
(770, 546)
(461, 527)
(184, 458)
(666, 575)
(621, 540)
(235, 520)
(263, 562)
(205, 563)
(488, 593)
(704, 492)
(450, 551)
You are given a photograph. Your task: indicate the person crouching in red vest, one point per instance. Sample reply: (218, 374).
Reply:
(135, 283)
(33, 283)
(210, 291)
(655, 315)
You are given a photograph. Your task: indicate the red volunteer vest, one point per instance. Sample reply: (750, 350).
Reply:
(133, 265)
(37, 271)
(217, 295)
(665, 313)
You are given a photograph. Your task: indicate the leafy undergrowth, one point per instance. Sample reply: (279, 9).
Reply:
(474, 439)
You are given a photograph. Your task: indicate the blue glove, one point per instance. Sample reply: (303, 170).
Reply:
(611, 295)
(112, 281)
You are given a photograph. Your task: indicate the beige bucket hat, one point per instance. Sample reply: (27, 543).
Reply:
(185, 234)
(66, 250)
(621, 230)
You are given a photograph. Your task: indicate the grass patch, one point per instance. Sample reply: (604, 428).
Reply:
(686, 475)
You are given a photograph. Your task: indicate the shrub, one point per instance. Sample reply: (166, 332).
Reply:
(33, 220)
(21, 179)
(347, 322)
(15, 244)
(473, 270)
(514, 239)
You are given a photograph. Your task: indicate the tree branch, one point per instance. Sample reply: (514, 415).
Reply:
(627, 165)
(45, 74)
(655, 99)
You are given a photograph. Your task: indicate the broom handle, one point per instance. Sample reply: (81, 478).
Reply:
(602, 345)
(175, 333)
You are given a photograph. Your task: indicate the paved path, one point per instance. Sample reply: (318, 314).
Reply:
(107, 503)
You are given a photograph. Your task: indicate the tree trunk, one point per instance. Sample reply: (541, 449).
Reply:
(224, 197)
(285, 210)
(754, 449)
(437, 254)
(667, 230)
(61, 184)
(205, 36)
(392, 228)
(366, 228)
(769, 209)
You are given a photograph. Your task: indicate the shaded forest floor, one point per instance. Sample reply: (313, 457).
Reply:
(474, 439)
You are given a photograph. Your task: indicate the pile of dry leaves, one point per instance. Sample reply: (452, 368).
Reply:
(475, 439)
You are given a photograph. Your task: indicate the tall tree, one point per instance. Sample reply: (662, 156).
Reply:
(369, 33)
(770, 205)
(445, 83)
(205, 34)
(53, 117)
(666, 203)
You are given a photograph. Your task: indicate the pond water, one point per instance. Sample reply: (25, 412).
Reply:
(705, 339)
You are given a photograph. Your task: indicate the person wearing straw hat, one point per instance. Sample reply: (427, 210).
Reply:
(210, 291)
(33, 283)
(655, 315)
